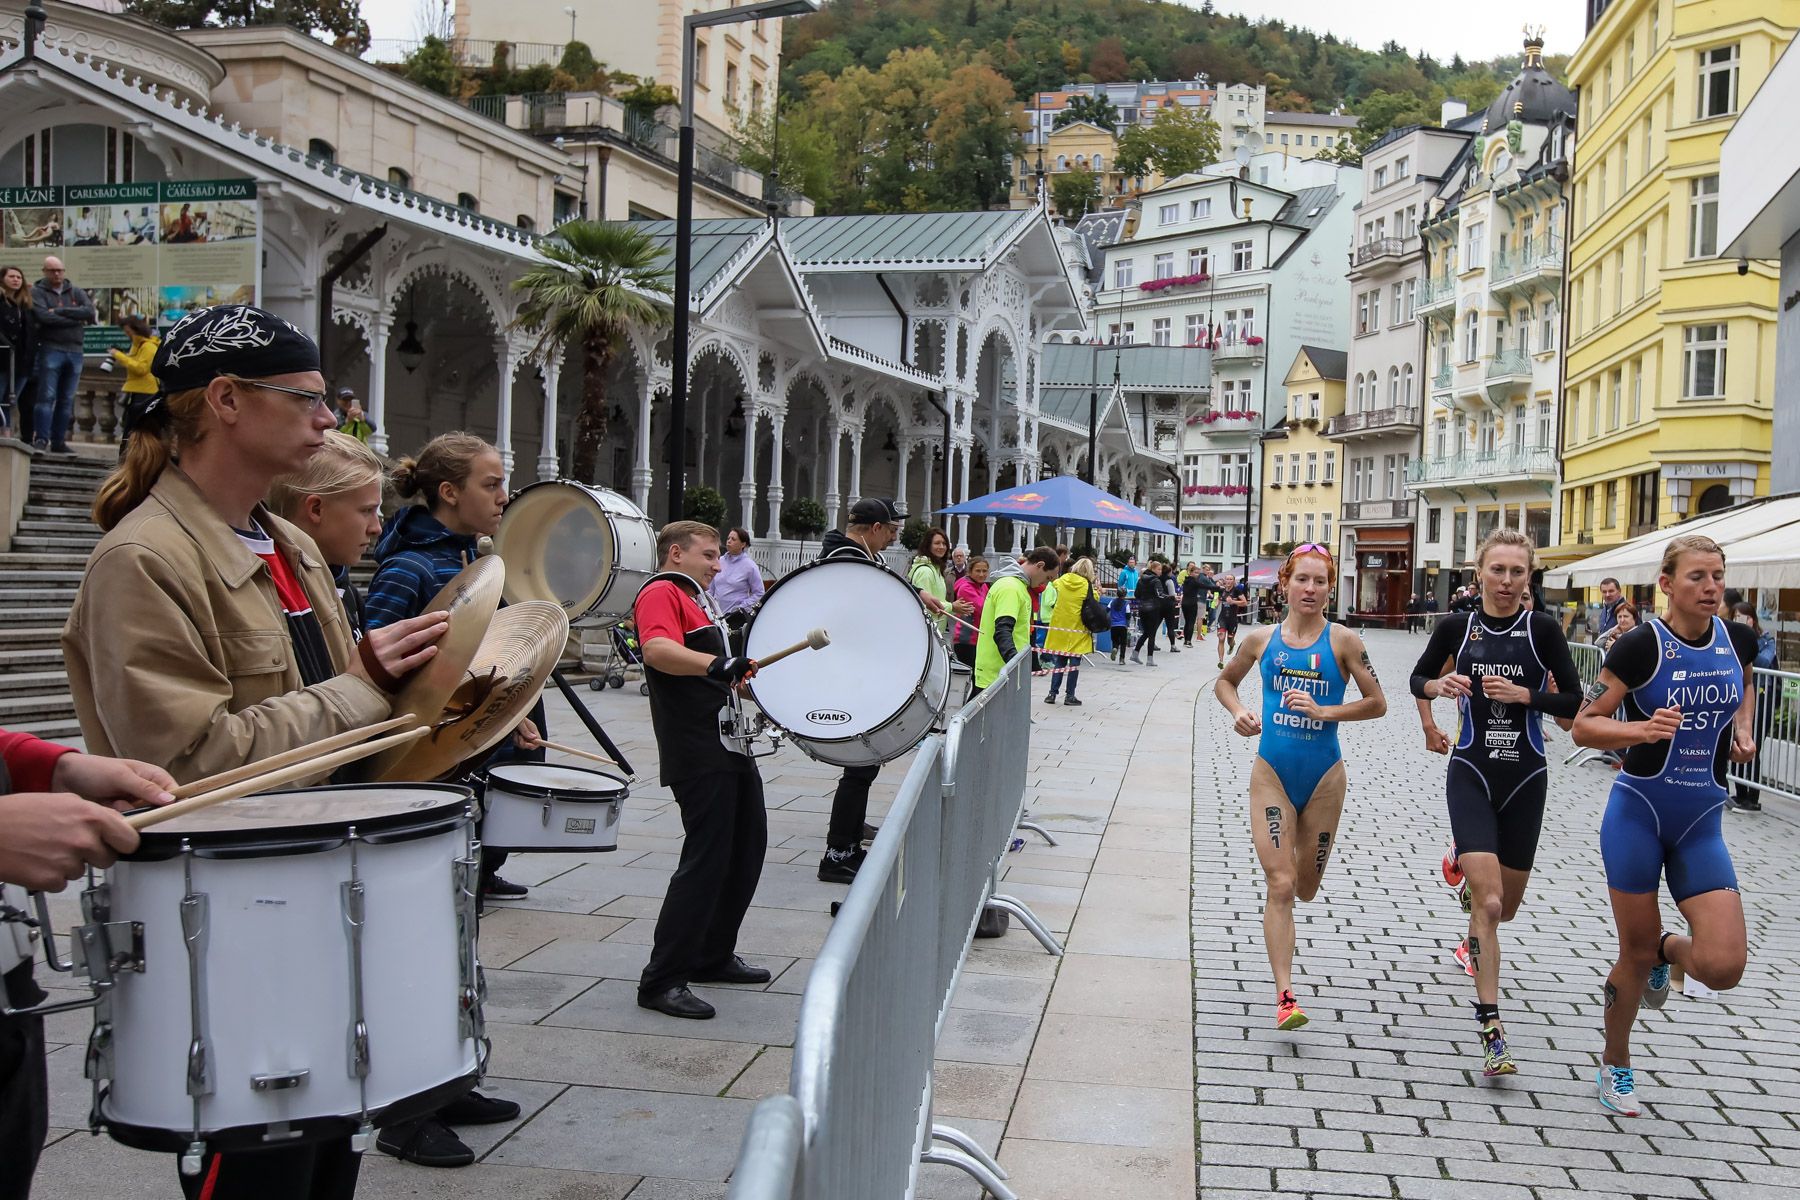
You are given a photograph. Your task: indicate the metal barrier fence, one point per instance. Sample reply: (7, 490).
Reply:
(857, 1124)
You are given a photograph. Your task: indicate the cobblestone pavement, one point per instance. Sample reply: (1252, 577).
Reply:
(1381, 1095)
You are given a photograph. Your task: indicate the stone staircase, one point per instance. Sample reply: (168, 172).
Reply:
(37, 585)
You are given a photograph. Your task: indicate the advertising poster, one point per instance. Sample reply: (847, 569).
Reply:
(152, 250)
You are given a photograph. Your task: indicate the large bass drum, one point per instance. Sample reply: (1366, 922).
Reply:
(585, 548)
(877, 689)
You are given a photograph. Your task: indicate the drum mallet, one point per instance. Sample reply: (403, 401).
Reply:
(818, 639)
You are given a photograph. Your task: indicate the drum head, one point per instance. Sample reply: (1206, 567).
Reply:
(879, 652)
(558, 545)
(552, 779)
(308, 812)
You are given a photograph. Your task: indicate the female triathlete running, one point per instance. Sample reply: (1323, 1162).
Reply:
(1297, 780)
(1498, 663)
(1682, 680)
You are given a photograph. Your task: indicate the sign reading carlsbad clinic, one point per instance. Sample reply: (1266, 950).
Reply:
(151, 250)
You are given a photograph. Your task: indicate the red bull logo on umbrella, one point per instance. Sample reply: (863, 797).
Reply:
(1111, 506)
(1022, 500)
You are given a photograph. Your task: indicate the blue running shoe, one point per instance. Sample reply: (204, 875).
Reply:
(1618, 1090)
(1656, 992)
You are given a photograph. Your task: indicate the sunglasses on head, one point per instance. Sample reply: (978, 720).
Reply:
(1309, 548)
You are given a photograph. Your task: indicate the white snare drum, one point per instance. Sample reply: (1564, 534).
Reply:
(877, 689)
(291, 965)
(585, 548)
(547, 807)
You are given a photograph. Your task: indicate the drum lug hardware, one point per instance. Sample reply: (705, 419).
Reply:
(362, 1139)
(98, 1064)
(102, 951)
(192, 1158)
(194, 928)
(545, 818)
(279, 1081)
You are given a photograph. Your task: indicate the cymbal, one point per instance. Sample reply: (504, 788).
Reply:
(503, 680)
(471, 599)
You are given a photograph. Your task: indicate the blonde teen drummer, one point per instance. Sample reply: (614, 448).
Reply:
(1498, 663)
(1679, 683)
(336, 501)
(1297, 781)
(206, 632)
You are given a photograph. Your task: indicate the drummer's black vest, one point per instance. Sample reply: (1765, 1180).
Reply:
(684, 709)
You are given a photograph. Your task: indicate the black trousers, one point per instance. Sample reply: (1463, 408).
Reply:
(1147, 623)
(1190, 620)
(850, 808)
(726, 831)
(24, 1103)
(321, 1171)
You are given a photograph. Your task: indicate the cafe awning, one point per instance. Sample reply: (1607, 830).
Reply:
(1768, 529)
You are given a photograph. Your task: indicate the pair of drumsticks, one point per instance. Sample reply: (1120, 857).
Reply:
(306, 761)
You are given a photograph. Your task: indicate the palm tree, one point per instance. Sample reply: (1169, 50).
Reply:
(597, 280)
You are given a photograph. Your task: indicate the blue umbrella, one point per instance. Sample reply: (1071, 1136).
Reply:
(1063, 500)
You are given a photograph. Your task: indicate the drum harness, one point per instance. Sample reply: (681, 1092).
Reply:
(739, 731)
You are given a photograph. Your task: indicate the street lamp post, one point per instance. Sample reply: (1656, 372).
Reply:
(684, 222)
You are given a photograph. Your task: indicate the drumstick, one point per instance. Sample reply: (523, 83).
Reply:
(299, 754)
(818, 639)
(269, 779)
(589, 754)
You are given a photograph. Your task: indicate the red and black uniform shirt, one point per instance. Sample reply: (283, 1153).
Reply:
(684, 709)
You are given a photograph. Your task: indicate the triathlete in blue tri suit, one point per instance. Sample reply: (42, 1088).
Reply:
(1682, 681)
(1297, 779)
(1506, 667)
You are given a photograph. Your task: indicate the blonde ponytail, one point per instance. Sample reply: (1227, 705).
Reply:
(148, 451)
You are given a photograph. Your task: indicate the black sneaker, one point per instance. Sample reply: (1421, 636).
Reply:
(1746, 804)
(840, 866)
(1072, 702)
(497, 888)
(1050, 699)
(428, 1143)
(477, 1109)
(60, 448)
(868, 832)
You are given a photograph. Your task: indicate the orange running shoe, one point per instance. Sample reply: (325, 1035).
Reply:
(1453, 876)
(1461, 955)
(1288, 1014)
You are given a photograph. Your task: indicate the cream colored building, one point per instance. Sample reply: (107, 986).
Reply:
(1298, 479)
(737, 65)
(1305, 134)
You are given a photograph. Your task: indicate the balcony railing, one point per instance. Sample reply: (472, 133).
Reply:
(1379, 421)
(1441, 381)
(1238, 349)
(1474, 464)
(1387, 247)
(1541, 253)
(1509, 363)
(1436, 292)
(1378, 510)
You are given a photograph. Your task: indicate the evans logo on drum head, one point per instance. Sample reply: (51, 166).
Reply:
(828, 716)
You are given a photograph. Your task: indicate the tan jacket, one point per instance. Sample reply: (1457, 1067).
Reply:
(178, 651)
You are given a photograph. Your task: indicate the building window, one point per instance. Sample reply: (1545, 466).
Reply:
(1434, 524)
(1703, 362)
(1212, 541)
(1159, 331)
(756, 97)
(1412, 298)
(1362, 314)
(1471, 336)
(1381, 178)
(1241, 257)
(1402, 167)
(1196, 328)
(1122, 273)
(1168, 214)
(1615, 406)
(1199, 262)
(1200, 209)
(1637, 390)
(1162, 266)
(1609, 508)
(1703, 217)
(1393, 387)
(1630, 55)
(1477, 250)
(399, 178)
(731, 85)
(1280, 479)
(1375, 309)
(1645, 148)
(1643, 249)
(469, 201)
(1308, 534)
(1190, 470)
(321, 149)
(1406, 385)
(1547, 327)
(525, 222)
(1331, 466)
(1312, 467)
(699, 63)
(1718, 81)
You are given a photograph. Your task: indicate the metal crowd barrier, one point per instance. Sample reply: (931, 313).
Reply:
(857, 1124)
(1776, 767)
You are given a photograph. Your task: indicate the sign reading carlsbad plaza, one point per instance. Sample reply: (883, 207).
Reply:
(151, 250)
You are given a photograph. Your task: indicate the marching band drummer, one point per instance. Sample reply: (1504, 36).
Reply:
(58, 823)
(206, 631)
(691, 670)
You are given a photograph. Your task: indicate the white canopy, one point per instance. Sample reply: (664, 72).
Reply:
(1761, 540)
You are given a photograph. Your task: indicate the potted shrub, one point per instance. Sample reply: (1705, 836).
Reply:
(803, 518)
(703, 504)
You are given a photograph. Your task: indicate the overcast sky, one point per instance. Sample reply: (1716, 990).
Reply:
(1478, 32)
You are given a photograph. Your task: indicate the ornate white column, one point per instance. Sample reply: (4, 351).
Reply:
(962, 492)
(643, 473)
(747, 489)
(929, 492)
(548, 460)
(906, 449)
(380, 325)
(776, 493)
(856, 440)
(508, 356)
(832, 463)
(993, 476)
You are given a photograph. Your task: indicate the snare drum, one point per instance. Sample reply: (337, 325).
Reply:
(546, 807)
(877, 689)
(585, 548)
(295, 965)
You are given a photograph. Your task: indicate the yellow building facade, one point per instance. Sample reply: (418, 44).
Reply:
(1299, 469)
(1078, 146)
(1670, 380)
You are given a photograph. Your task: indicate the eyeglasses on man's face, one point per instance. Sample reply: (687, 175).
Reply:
(314, 400)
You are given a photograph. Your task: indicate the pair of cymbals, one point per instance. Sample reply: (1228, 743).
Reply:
(492, 663)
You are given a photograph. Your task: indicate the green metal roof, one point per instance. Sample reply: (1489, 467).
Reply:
(1141, 368)
(717, 244)
(898, 239)
(1070, 404)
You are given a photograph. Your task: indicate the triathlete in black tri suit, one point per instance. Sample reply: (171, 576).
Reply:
(1505, 666)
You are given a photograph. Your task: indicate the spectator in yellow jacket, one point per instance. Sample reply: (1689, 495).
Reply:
(1068, 639)
(136, 360)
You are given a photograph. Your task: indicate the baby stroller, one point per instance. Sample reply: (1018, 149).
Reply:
(625, 656)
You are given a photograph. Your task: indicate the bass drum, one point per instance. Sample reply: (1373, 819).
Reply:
(585, 548)
(877, 689)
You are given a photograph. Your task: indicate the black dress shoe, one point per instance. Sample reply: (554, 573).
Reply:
(497, 888)
(869, 832)
(429, 1143)
(735, 971)
(678, 1002)
(477, 1109)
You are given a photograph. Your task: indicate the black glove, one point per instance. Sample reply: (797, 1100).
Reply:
(730, 668)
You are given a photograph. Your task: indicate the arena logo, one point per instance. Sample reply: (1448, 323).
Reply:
(828, 716)
(1295, 721)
